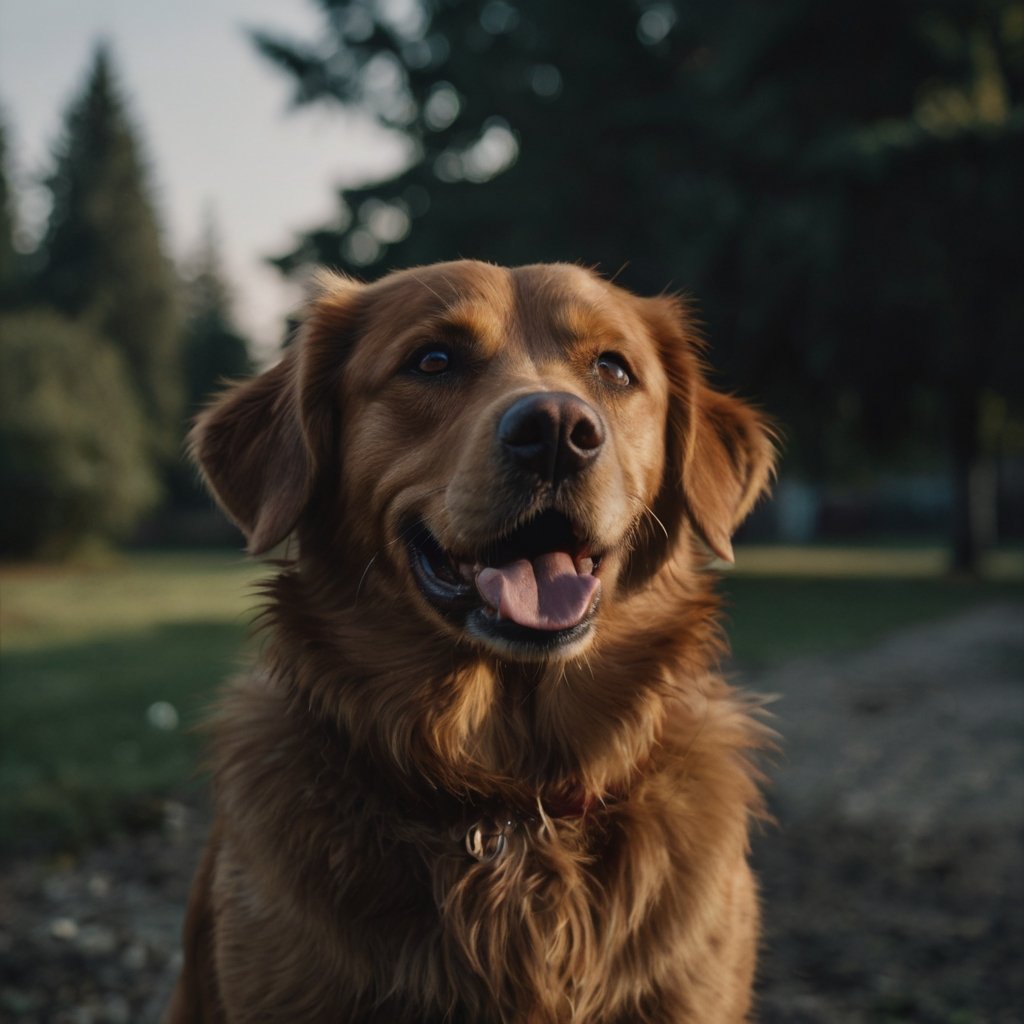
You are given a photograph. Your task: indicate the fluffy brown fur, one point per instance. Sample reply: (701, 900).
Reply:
(603, 777)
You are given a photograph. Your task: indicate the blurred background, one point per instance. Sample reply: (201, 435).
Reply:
(838, 185)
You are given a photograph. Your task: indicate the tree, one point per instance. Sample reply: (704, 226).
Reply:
(10, 261)
(834, 181)
(882, 239)
(102, 255)
(73, 464)
(539, 131)
(215, 351)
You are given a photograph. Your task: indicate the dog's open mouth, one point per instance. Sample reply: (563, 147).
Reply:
(537, 584)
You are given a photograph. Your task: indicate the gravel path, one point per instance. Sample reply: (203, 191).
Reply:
(894, 887)
(892, 883)
(96, 940)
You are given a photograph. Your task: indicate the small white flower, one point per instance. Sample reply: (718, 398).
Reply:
(162, 715)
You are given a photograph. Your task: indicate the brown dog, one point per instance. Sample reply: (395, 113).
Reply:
(485, 770)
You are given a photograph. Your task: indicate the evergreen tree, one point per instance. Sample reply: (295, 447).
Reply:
(215, 351)
(103, 261)
(10, 260)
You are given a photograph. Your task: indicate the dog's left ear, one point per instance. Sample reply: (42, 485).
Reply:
(728, 464)
(721, 452)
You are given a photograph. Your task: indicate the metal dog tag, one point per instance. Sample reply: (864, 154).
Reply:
(487, 839)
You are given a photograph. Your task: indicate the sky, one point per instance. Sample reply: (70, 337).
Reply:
(214, 120)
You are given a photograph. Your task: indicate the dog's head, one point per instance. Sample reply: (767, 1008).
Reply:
(509, 452)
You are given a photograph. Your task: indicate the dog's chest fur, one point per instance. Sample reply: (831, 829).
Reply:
(580, 918)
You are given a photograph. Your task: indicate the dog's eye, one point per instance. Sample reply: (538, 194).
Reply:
(431, 362)
(613, 370)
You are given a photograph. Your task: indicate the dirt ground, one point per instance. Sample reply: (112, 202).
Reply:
(893, 882)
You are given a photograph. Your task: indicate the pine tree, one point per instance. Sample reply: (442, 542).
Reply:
(10, 261)
(103, 261)
(215, 351)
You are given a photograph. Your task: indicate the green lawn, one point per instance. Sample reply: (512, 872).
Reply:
(782, 602)
(105, 670)
(97, 664)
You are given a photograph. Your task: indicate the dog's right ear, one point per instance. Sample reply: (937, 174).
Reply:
(254, 457)
(260, 445)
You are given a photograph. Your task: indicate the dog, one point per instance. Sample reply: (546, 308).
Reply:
(484, 770)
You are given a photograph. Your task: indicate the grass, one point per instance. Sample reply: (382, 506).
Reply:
(103, 674)
(44, 605)
(772, 619)
(105, 670)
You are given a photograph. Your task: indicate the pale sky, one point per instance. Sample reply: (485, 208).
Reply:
(214, 120)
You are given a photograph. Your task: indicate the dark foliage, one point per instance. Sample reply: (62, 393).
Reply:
(837, 182)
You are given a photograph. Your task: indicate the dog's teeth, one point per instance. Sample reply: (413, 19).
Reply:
(468, 571)
(584, 566)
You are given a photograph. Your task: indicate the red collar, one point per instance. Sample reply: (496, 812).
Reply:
(486, 839)
(568, 799)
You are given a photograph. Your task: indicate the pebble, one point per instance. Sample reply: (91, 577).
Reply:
(64, 928)
(99, 886)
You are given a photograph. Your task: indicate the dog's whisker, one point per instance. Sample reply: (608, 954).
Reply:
(404, 534)
(646, 510)
(611, 280)
(589, 664)
(369, 564)
(410, 529)
(419, 280)
(653, 515)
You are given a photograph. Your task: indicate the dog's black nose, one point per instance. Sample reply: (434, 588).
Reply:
(551, 433)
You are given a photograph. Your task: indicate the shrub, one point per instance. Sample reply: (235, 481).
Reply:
(74, 463)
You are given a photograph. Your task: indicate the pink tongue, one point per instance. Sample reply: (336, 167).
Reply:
(546, 593)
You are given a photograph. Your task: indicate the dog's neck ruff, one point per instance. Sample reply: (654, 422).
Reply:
(486, 838)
